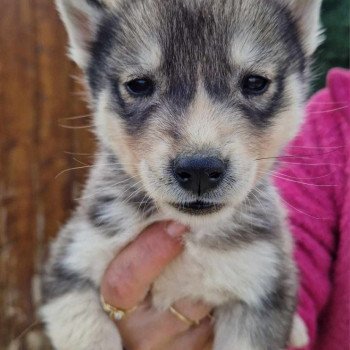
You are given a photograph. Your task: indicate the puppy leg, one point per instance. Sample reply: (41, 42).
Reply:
(76, 321)
(242, 327)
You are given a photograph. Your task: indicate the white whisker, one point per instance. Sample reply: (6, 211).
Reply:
(302, 212)
(299, 182)
(329, 110)
(76, 127)
(271, 172)
(72, 169)
(78, 117)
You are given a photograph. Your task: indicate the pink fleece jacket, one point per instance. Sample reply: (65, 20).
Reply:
(315, 183)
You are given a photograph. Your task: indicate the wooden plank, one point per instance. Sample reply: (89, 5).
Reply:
(19, 154)
(37, 94)
(55, 103)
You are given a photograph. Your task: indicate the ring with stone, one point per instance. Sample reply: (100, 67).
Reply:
(115, 313)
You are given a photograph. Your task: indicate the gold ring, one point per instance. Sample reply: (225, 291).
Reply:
(183, 318)
(114, 313)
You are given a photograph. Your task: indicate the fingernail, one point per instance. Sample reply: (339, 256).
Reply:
(175, 229)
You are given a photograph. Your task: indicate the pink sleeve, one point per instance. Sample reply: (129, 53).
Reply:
(307, 183)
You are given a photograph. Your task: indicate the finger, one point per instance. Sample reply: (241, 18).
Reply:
(148, 327)
(198, 338)
(127, 279)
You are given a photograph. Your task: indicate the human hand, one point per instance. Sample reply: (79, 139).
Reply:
(127, 283)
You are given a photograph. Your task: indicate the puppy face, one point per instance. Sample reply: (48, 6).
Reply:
(190, 95)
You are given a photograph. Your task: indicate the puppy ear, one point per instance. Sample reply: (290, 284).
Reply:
(307, 15)
(81, 18)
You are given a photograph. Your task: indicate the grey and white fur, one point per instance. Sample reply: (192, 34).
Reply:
(221, 81)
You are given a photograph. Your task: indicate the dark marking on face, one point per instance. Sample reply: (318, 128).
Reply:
(137, 198)
(99, 213)
(102, 209)
(102, 47)
(179, 47)
(294, 56)
(60, 281)
(96, 3)
(262, 116)
(134, 114)
(143, 204)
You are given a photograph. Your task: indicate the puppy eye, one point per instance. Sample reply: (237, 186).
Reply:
(255, 85)
(140, 87)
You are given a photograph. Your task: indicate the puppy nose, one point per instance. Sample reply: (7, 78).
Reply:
(199, 174)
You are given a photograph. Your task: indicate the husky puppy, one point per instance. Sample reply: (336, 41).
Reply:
(192, 102)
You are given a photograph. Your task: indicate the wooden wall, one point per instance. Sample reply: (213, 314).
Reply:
(37, 140)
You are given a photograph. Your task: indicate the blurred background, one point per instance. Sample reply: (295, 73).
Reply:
(46, 147)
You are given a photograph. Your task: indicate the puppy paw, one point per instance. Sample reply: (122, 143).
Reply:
(299, 336)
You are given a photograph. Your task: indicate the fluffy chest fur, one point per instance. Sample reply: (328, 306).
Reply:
(246, 273)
